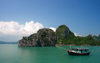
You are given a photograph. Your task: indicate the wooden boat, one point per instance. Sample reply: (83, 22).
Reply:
(78, 51)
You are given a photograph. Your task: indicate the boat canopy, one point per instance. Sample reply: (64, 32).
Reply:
(81, 49)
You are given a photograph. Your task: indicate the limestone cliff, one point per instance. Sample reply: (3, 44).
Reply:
(44, 37)
(62, 31)
(62, 36)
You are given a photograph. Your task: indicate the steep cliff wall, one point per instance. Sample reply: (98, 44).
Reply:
(44, 37)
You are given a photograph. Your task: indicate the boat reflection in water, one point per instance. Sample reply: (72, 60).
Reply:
(78, 51)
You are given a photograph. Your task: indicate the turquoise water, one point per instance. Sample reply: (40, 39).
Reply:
(11, 53)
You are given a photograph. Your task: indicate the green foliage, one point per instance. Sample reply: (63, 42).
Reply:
(31, 36)
(31, 39)
(80, 41)
(24, 38)
(58, 41)
(25, 42)
(60, 29)
(72, 39)
(64, 36)
(97, 37)
(43, 35)
(22, 41)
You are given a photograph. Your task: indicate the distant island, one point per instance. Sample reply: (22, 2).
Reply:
(2, 42)
(62, 36)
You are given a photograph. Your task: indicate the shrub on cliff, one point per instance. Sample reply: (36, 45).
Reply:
(63, 33)
(46, 37)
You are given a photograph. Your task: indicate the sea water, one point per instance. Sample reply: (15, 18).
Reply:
(11, 53)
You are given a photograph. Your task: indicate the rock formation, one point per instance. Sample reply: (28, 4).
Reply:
(44, 37)
(62, 36)
(62, 31)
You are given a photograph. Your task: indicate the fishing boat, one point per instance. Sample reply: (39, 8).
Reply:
(78, 51)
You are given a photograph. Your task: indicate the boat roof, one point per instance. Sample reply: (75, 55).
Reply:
(80, 48)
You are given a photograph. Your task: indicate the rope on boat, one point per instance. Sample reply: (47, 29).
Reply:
(61, 48)
(64, 53)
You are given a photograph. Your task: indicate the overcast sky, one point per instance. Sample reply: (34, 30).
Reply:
(20, 18)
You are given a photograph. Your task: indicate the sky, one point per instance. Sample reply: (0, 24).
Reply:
(20, 18)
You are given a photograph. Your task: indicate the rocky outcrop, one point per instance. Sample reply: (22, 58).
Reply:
(63, 32)
(44, 37)
(29, 41)
(62, 36)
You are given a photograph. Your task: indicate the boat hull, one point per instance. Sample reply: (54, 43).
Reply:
(74, 53)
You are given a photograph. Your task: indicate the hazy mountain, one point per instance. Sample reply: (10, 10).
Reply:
(2, 42)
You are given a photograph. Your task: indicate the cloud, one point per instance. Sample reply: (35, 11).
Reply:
(13, 31)
(77, 35)
(54, 29)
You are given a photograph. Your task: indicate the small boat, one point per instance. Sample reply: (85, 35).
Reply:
(78, 51)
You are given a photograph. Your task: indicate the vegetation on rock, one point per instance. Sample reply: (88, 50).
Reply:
(47, 37)
(72, 39)
(97, 37)
(44, 37)
(63, 33)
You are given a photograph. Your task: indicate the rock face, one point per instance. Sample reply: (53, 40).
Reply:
(62, 32)
(31, 41)
(44, 37)
(63, 36)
